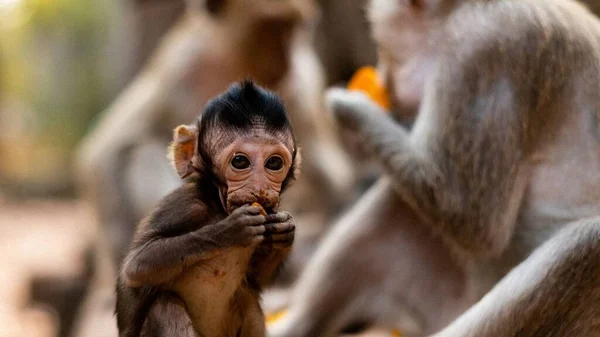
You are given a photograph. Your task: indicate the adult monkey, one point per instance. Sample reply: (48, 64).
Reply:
(342, 39)
(499, 171)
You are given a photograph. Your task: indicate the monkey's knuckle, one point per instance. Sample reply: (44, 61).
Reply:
(291, 226)
(242, 219)
(249, 220)
(239, 223)
(273, 227)
(276, 218)
(284, 227)
(235, 217)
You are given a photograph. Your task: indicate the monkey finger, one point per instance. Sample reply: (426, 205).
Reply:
(251, 220)
(248, 209)
(281, 227)
(278, 217)
(256, 230)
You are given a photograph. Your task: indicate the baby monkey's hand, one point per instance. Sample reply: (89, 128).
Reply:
(280, 229)
(244, 227)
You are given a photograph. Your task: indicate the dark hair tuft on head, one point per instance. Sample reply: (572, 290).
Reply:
(245, 105)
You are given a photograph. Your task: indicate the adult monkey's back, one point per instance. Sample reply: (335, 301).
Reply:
(500, 171)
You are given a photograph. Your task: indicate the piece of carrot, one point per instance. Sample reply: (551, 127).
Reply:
(275, 316)
(262, 210)
(367, 80)
(396, 333)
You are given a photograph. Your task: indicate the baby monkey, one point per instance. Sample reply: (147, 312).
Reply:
(198, 262)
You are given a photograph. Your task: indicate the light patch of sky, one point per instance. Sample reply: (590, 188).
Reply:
(8, 4)
(8, 13)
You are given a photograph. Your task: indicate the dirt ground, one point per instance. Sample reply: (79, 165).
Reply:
(38, 239)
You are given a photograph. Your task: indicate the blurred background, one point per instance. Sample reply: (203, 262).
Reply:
(61, 62)
(62, 65)
(90, 92)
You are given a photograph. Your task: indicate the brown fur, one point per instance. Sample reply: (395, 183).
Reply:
(169, 286)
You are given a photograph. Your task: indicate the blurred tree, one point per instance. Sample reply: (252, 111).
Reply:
(63, 62)
(54, 80)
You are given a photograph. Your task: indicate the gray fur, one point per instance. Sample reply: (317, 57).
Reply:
(499, 171)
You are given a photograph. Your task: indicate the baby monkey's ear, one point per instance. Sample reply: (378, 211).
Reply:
(183, 149)
(297, 165)
(294, 171)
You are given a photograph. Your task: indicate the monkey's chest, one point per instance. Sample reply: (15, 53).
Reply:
(214, 293)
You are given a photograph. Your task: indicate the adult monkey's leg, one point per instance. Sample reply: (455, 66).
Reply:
(554, 292)
(377, 265)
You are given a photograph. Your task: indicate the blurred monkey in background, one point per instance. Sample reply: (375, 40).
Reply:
(214, 43)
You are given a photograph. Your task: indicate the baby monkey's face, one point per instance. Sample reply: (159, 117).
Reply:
(254, 169)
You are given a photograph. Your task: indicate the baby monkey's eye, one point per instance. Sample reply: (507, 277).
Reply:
(274, 163)
(240, 162)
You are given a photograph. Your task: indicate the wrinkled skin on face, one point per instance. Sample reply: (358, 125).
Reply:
(253, 168)
(243, 144)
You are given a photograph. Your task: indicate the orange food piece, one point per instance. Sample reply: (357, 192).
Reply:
(367, 80)
(396, 333)
(262, 210)
(275, 316)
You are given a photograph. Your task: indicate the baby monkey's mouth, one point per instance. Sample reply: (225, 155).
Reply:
(268, 206)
